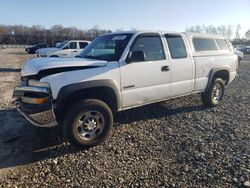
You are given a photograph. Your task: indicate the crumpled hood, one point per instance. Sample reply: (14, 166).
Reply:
(33, 66)
(46, 51)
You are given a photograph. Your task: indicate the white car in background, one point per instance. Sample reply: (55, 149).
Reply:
(70, 48)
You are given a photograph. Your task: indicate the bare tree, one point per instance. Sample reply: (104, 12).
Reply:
(198, 29)
(229, 32)
(222, 30)
(238, 28)
(247, 35)
(19, 34)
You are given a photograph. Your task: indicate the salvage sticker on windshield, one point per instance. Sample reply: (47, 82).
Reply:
(119, 37)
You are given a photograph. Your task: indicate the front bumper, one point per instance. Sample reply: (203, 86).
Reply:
(41, 115)
(40, 119)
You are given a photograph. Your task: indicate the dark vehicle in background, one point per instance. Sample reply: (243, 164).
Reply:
(243, 48)
(32, 49)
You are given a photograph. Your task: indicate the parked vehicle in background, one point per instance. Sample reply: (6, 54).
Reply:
(57, 44)
(70, 48)
(121, 71)
(239, 54)
(32, 49)
(243, 48)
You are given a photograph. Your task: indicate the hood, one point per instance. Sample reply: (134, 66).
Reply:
(33, 66)
(47, 50)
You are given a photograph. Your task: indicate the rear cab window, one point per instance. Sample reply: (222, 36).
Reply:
(204, 44)
(176, 46)
(222, 44)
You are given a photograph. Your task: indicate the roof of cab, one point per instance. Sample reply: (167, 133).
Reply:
(188, 34)
(78, 41)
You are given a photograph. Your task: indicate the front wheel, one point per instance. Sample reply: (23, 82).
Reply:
(214, 95)
(88, 123)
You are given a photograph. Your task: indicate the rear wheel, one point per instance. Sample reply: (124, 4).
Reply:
(88, 123)
(215, 94)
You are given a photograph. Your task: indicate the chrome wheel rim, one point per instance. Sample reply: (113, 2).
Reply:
(89, 125)
(217, 93)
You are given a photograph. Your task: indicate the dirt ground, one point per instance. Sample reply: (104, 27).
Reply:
(17, 136)
(179, 143)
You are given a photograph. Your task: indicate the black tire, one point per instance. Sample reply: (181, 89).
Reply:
(71, 123)
(209, 97)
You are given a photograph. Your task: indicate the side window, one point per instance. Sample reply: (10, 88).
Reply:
(83, 44)
(151, 46)
(176, 46)
(73, 45)
(204, 44)
(222, 44)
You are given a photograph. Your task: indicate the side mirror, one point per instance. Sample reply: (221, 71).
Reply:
(136, 56)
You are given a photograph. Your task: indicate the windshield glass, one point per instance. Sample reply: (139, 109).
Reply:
(108, 47)
(61, 44)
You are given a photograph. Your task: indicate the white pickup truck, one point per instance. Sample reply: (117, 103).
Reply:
(70, 48)
(120, 71)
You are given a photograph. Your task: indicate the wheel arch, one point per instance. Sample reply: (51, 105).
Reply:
(104, 90)
(219, 72)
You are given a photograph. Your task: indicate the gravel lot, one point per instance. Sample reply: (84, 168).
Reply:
(178, 143)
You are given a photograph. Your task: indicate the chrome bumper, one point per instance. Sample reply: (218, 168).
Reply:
(40, 119)
(41, 115)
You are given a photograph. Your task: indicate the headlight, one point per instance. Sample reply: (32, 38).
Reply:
(36, 83)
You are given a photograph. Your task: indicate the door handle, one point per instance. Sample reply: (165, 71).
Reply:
(165, 68)
(75, 51)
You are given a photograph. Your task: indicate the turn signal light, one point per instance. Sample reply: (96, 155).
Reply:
(41, 100)
(30, 100)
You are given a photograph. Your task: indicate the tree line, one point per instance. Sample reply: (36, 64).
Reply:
(225, 30)
(20, 34)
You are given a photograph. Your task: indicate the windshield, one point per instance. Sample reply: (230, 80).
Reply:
(108, 47)
(61, 44)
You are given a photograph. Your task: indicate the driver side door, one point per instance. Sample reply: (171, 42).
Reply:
(147, 80)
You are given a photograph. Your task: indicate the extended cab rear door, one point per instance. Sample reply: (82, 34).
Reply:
(148, 80)
(182, 64)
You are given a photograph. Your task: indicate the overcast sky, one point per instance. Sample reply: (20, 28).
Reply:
(174, 15)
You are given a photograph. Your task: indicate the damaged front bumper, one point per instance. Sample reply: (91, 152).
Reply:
(41, 115)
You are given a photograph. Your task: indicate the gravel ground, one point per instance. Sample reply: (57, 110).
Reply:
(178, 143)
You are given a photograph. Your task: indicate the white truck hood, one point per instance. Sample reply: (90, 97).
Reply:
(33, 66)
(46, 51)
